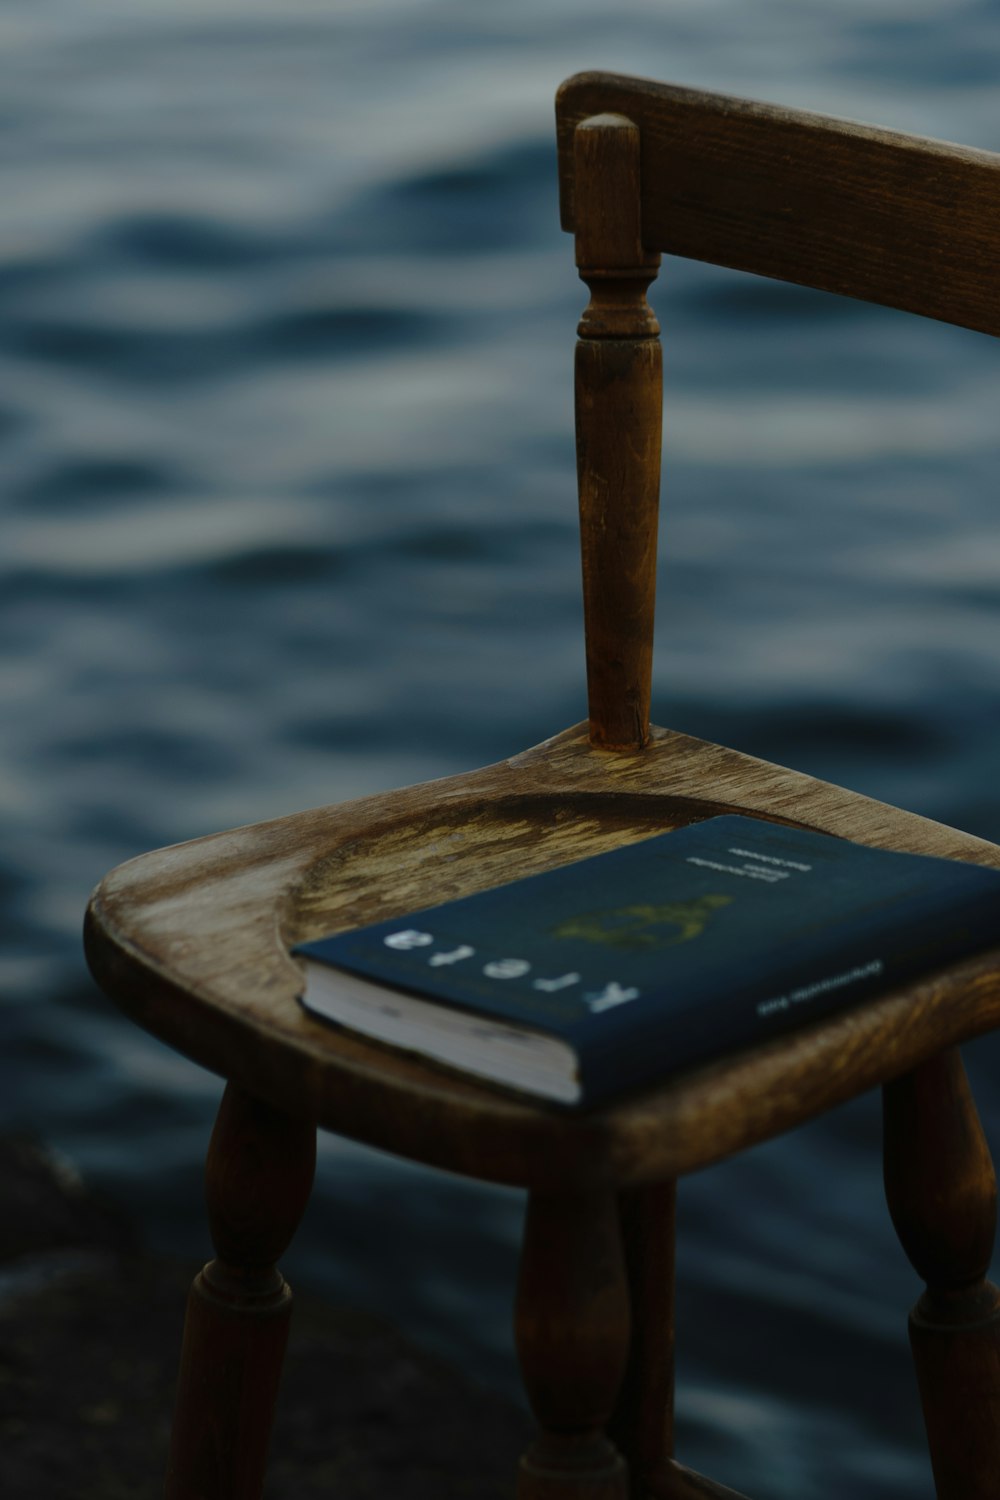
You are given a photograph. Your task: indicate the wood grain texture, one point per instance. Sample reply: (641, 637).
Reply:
(956, 1352)
(942, 1195)
(618, 426)
(827, 203)
(258, 1177)
(642, 1426)
(193, 943)
(619, 420)
(939, 1179)
(610, 254)
(571, 1329)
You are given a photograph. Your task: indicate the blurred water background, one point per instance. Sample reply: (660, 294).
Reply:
(286, 328)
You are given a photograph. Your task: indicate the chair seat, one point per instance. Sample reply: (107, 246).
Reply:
(193, 942)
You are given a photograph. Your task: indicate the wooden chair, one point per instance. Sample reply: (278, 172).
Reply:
(193, 941)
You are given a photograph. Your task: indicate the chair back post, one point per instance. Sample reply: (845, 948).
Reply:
(619, 405)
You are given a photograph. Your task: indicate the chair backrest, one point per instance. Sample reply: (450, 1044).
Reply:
(848, 208)
(648, 167)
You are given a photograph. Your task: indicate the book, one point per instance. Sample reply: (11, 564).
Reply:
(595, 978)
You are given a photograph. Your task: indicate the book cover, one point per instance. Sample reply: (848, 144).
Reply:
(590, 979)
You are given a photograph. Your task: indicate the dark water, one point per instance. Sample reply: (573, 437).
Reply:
(286, 323)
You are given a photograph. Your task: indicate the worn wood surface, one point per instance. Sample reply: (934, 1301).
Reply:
(193, 943)
(619, 401)
(258, 1177)
(827, 203)
(942, 1195)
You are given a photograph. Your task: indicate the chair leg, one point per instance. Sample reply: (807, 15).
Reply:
(642, 1425)
(572, 1333)
(941, 1190)
(258, 1177)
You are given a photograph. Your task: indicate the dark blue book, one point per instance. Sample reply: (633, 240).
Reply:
(586, 981)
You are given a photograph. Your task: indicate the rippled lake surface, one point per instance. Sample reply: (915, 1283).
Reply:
(286, 322)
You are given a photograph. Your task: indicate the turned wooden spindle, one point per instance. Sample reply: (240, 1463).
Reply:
(941, 1190)
(642, 1426)
(619, 401)
(572, 1333)
(258, 1177)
